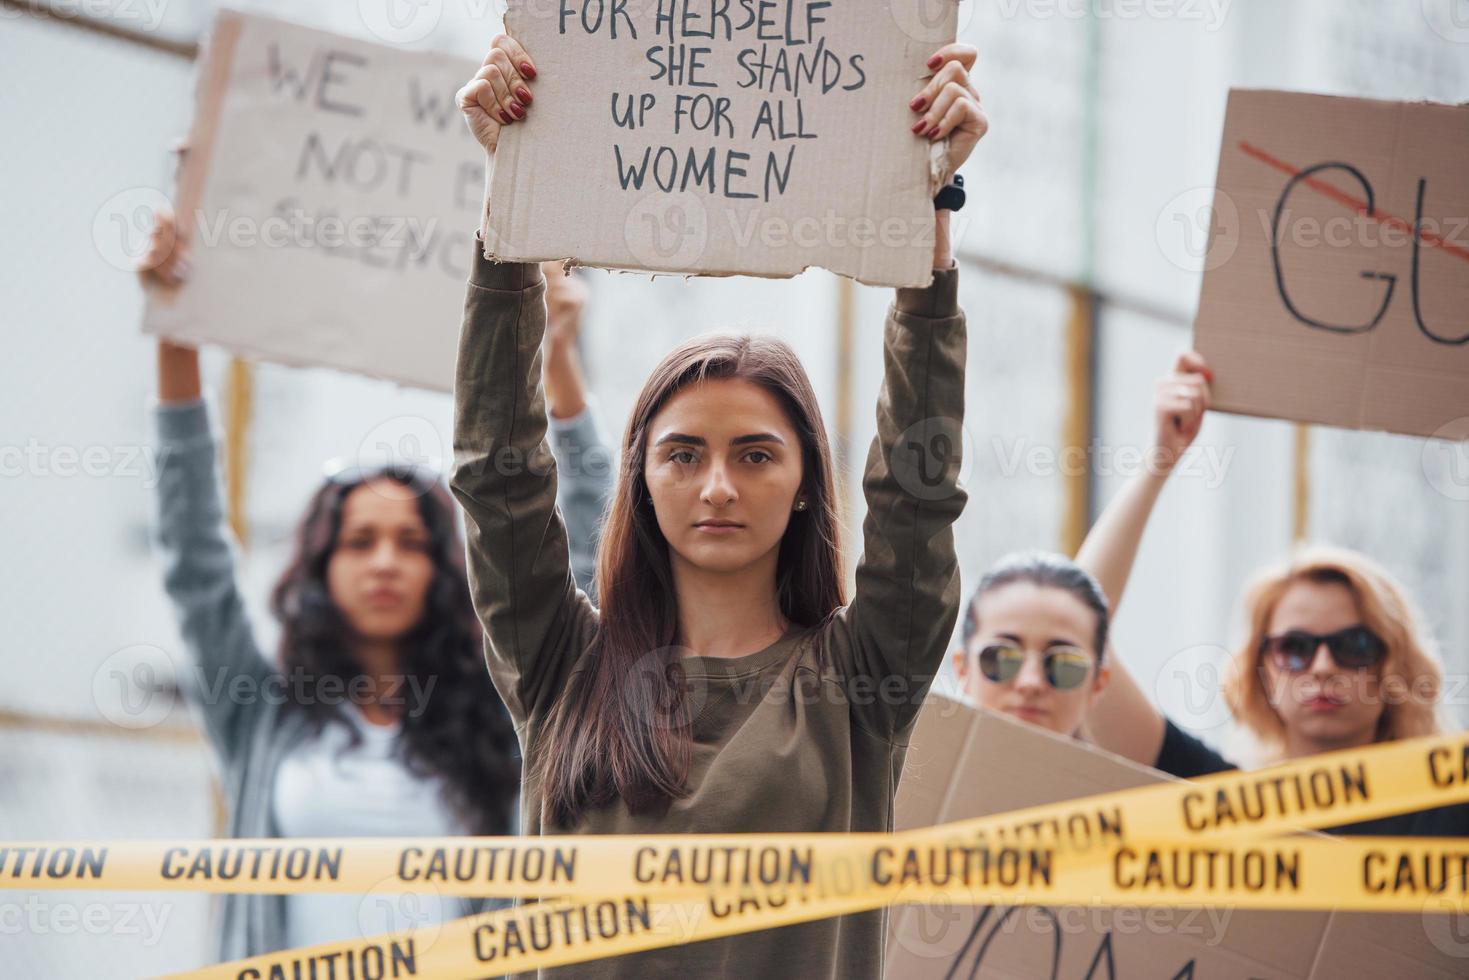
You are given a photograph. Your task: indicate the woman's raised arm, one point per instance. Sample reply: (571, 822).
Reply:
(892, 638)
(1123, 720)
(536, 621)
(189, 527)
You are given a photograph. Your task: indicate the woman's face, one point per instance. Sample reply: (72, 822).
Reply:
(1035, 619)
(380, 570)
(1324, 705)
(723, 465)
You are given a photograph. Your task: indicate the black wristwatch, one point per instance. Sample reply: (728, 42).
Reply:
(951, 196)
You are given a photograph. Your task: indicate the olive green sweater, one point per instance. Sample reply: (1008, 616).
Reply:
(780, 745)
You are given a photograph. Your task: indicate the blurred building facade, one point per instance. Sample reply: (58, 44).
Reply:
(1081, 250)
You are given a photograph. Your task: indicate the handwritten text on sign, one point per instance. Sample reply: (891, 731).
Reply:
(1338, 275)
(785, 57)
(330, 191)
(699, 119)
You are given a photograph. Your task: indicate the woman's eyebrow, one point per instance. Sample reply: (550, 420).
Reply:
(757, 437)
(736, 441)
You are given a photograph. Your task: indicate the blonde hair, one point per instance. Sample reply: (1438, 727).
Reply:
(1411, 665)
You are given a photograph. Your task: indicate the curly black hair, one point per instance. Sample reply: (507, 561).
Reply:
(464, 733)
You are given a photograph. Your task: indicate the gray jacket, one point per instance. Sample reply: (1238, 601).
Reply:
(250, 735)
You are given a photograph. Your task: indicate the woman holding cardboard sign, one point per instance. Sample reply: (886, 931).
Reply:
(1335, 656)
(723, 686)
(376, 719)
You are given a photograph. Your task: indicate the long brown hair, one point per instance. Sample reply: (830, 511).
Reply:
(1411, 667)
(620, 729)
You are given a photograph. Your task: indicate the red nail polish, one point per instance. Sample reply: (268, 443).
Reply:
(933, 132)
(935, 61)
(504, 119)
(517, 111)
(523, 93)
(527, 70)
(917, 103)
(918, 127)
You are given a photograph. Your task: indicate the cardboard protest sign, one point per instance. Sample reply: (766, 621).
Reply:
(1337, 281)
(723, 137)
(965, 763)
(330, 195)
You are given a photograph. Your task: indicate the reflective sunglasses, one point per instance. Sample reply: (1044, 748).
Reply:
(1354, 648)
(1067, 668)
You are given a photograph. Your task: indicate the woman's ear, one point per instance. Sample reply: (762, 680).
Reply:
(961, 664)
(1100, 682)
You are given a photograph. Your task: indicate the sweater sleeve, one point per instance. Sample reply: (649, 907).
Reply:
(535, 619)
(199, 576)
(892, 638)
(584, 473)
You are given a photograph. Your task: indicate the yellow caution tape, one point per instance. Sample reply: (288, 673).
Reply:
(1321, 791)
(1213, 841)
(1383, 874)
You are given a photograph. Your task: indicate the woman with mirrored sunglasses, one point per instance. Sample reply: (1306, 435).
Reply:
(1335, 657)
(376, 717)
(1033, 637)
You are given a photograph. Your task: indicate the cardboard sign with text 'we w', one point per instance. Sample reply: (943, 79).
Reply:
(723, 137)
(964, 763)
(1337, 282)
(329, 197)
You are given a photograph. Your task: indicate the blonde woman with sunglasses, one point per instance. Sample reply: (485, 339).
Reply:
(1336, 655)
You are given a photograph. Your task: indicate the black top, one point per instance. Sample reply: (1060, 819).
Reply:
(1185, 756)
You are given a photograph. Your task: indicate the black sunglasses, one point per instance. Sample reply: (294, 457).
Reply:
(1354, 648)
(1067, 668)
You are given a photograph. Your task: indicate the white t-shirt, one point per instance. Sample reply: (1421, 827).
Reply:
(324, 789)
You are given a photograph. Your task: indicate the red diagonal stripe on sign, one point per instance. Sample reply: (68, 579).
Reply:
(1355, 203)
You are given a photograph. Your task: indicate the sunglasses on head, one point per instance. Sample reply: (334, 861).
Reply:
(1354, 648)
(1067, 668)
(416, 475)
